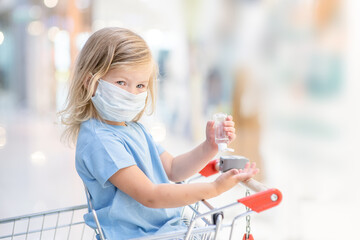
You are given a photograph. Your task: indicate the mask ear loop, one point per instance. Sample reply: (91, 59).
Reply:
(90, 85)
(93, 76)
(102, 121)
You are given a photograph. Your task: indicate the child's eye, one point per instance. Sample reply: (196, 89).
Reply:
(140, 86)
(122, 83)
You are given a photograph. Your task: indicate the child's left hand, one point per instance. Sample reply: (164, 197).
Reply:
(229, 127)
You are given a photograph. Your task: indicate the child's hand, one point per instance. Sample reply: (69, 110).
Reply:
(229, 127)
(232, 177)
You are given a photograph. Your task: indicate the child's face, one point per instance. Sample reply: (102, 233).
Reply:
(134, 79)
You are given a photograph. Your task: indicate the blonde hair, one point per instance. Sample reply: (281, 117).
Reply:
(106, 49)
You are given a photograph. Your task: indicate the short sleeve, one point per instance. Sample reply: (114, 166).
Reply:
(159, 148)
(104, 157)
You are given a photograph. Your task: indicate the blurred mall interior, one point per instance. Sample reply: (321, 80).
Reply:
(287, 70)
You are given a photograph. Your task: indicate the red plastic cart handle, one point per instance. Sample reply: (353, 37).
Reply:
(211, 168)
(263, 198)
(261, 201)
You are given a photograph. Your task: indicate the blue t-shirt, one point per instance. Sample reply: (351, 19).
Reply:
(101, 151)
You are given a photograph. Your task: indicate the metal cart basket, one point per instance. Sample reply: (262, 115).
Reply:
(203, 220)
(65, 223)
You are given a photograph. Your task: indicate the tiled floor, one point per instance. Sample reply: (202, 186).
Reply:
(321, 198)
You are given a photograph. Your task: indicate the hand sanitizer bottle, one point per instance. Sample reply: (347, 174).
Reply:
(221, 139)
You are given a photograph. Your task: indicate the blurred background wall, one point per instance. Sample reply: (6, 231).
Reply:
(287, 70)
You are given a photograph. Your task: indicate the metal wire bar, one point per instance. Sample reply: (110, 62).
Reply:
(68, 209)
(13, 231)
(236, 219)
(56, 226)
(219, 220)
(39, 230)
(72, 217)
(82, 232)
(196, 212)
(191, 227)
(180, 234)
(27, 229)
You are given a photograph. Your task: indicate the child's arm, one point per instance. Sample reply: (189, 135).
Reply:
(186, 165)
(137, 185)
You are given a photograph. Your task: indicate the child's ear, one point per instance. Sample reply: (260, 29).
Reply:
(87, 84)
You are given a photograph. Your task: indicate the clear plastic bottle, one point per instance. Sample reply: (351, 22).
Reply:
(221, 139)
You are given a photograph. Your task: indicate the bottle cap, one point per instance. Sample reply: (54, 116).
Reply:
(223, 147)
(229, 149)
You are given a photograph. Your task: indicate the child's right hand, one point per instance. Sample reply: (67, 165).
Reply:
(229, 179)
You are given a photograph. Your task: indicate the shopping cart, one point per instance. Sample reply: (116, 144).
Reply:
(203, 220)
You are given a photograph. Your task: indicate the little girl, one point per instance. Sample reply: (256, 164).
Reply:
(127, 174)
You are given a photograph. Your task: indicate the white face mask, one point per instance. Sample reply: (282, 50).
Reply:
(116, 104)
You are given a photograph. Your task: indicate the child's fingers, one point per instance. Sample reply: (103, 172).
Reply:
(253, 165)
(229, 121)
(229, 118)
(247, 172)
(247, 165)
(254, 171)
(250, 167)
(231, 136)
(229, 124)
(229, 129)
